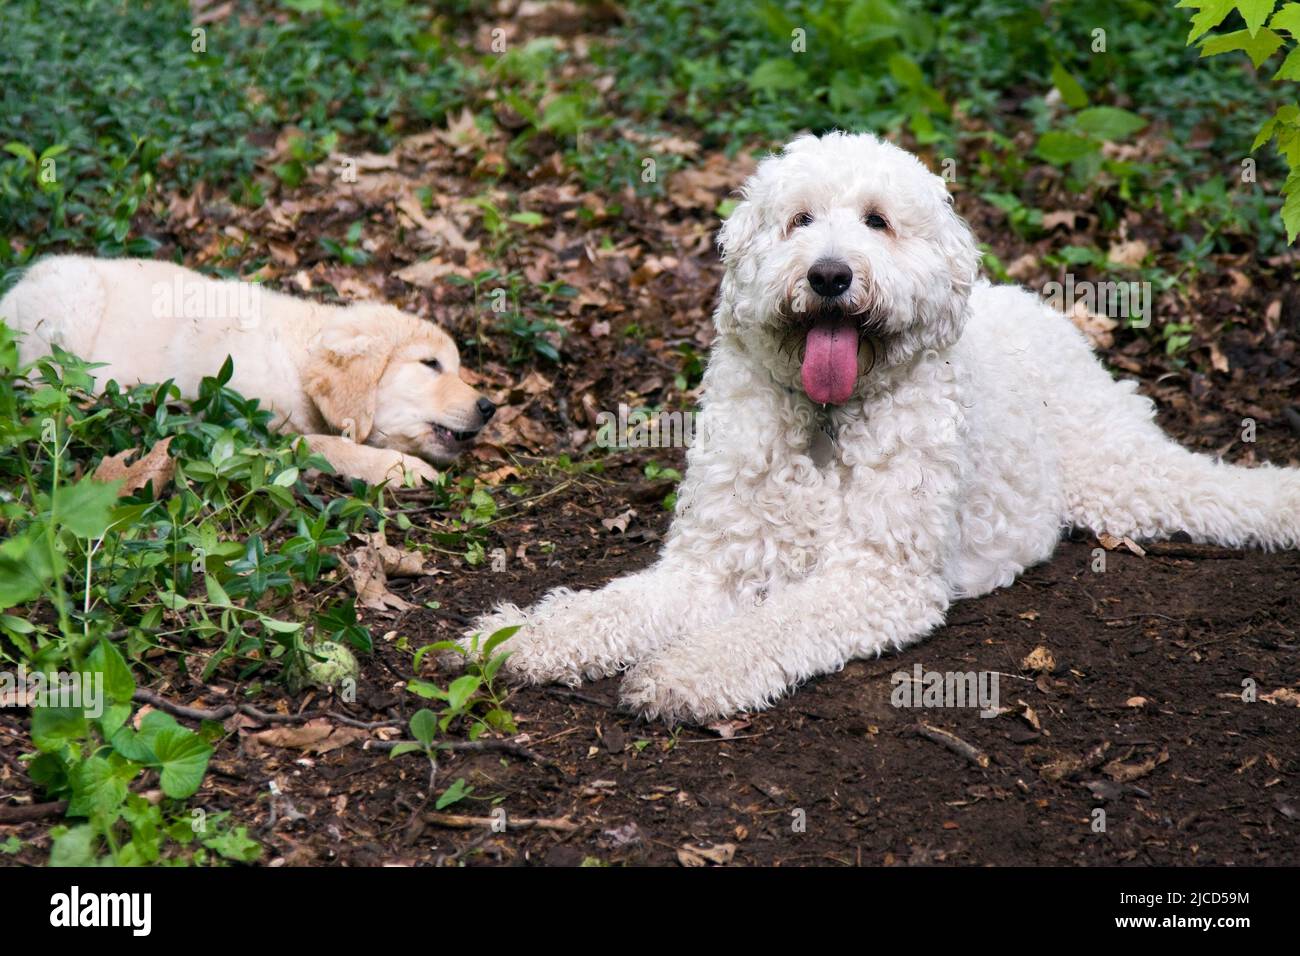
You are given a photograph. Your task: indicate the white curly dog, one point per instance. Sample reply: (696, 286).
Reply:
(880, 434)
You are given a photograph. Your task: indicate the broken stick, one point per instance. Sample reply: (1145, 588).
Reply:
(955, 744)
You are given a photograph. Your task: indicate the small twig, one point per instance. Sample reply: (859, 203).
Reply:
(456, 821)
(955, 744)
(571, 694)
(32, 811)
(146, 696)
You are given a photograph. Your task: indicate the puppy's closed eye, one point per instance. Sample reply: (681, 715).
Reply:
(433, 364)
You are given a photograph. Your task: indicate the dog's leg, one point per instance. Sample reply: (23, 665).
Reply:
(372, 465)
(814, 627)
(569, 636)
(1123, 475)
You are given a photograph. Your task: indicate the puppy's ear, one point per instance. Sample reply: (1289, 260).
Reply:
(344, 366)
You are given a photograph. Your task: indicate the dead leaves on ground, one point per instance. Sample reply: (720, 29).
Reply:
(317, 736)
(716, 854)
(156, 466)
(371, 565)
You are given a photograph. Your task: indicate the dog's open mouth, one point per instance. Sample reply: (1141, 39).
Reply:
(449, 436)
(830, 366)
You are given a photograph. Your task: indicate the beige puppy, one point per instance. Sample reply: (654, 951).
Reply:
(376, 391)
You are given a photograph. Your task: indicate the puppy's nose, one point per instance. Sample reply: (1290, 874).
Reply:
(830, 277)
(487, 409)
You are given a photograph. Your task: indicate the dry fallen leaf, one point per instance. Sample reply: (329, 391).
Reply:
(619, 523)
(718, 855)
(369, 568)
(1040, 660)
(1128, 253)
(1100, 329)
(315, 736)
(1122, 772)
(157, 466)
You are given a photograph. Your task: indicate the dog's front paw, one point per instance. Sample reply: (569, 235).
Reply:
(538, 654)
(662, 688)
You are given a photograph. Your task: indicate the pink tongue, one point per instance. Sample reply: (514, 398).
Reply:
(830, 361)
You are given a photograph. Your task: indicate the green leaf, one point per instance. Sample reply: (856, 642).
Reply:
(778, 75)
(432, 648)
(1071, 89)
(1255, 12)
(424, 726)
(21, 151)
(216, 593)
(86, 508)
(1290, 68)
(528, 218)
(906, 71)
(183, 758)
(106, 659)
(453, 794)
(1288, 19)
(235, 845)
(498, 638)
(406, 747)
(1109, 122)
(1259, 47)
(461, 690)
(73, 847)
(1061, 148)
(172, 601)
(1212, 13)
(1291, 206)
(422, 688)
(282, 627)
(99, 787)
(53, 728)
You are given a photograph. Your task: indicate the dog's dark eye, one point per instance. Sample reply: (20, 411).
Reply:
(875, 220)
(801, 220)
(433, 364)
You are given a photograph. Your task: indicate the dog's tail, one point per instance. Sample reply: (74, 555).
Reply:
(1128, 478)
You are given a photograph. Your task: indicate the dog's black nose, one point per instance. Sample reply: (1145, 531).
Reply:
(487, 409)
(830, 277)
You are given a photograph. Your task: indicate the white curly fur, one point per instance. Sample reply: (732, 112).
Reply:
(983, 427)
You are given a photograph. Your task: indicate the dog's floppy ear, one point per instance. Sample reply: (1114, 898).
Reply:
(945, 316)
(738, 230)
(344, 366)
